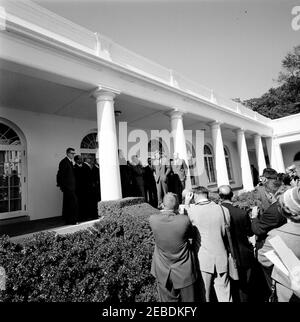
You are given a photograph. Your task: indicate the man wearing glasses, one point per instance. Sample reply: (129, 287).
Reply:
(66, 182)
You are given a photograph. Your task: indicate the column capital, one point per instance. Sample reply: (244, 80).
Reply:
(256, 136)
(175, 113)
(215, 124)
(103, 93)
(239, 131)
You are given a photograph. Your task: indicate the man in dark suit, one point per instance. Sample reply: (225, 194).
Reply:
(90, 197)
(67, 183)
(260, 190)
(173, 263)
(162, 170)
(150, 185)
(79, 177)
(138, 176)
(126, 176)
(270, 219)
(240, 226)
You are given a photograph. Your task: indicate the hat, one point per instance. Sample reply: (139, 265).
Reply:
(291, 199)
(270, 173)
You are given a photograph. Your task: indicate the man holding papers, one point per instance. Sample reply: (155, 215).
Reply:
(290, 235)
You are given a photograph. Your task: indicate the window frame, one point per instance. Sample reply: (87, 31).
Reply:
(22, 148)
(228, 164)
(210, 166)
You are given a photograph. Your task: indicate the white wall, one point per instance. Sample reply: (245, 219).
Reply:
(286, 125)
(289, 151)
(47, 137)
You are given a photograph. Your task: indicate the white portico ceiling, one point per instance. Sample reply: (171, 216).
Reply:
(38, 95)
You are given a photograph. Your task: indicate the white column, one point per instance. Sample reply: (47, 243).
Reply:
(260, 156)
(110, 183)
(244, 160)
(179, 140)
(275, 155)
(222, 175)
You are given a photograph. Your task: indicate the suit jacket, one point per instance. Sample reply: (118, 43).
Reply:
(209, 221)
(173, 256)
(240, 227)
(268, 220)
(65, 177)
(261, 194)
(149, 179)
(290, 234)
(88, 179)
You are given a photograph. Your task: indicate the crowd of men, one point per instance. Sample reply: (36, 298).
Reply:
(79, 180)
(191, 260)
(154, 180)
(197, 238)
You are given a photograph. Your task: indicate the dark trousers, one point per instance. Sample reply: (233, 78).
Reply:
(179, 187)
(70, 207)
(140, 187)
(241, 289)
(258, 287)
(169, 294)
(151, 194)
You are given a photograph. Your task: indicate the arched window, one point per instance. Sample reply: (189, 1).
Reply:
(297, 156)
(89, 145)
(209, 164)
(228, 163)
(157, 145)
(12, 171)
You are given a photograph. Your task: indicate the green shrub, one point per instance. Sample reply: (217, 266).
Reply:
(109, 262)
(246, 200)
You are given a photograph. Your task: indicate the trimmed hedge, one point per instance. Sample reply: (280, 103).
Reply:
(108, 262)
(246, 200)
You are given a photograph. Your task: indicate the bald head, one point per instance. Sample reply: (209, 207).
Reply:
(225, 192)
(170, 201)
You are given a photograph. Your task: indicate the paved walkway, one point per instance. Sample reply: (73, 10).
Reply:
(20, 231)
(33, 226)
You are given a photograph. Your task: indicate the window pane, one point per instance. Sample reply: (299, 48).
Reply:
(207, 169)
(212, 169)
(3, 206)
(207, 150)
(8, 136)
(10, 181)
(228, 168)
(89, 141)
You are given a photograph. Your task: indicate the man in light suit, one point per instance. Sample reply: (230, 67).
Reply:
(179, 168)
(208, 218)
(67, 183)
(162, 170)
(173, 262)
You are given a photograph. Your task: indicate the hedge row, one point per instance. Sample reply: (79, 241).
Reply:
(109, 262)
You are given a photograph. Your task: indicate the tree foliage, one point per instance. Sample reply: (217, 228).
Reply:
(284, 99)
